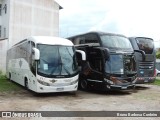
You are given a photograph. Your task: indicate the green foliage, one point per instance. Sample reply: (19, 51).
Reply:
(2, 76)
(158, 54)
(157, 82)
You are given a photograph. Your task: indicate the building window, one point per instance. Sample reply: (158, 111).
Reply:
(5, 8)
(0, 9)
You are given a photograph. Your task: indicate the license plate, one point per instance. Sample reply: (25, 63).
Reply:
(145, 80)
(60, 89)
(124, 88)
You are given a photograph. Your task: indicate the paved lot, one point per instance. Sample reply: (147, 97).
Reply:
(144, 97)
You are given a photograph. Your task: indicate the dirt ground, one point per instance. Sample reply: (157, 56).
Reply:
(143, 98)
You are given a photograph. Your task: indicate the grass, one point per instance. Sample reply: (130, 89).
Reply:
(6, 85)
(157, 82)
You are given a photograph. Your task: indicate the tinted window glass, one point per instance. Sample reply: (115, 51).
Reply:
(145, 44)
(114, 65)
(78, 40)
(91, 38)
(114, 41)
(87, 39)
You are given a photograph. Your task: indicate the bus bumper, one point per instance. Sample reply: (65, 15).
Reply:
(117, 87)
(52, 89)
(143, 80)
(105, 86)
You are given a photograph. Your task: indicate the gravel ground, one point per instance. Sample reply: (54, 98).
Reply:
(143, 98)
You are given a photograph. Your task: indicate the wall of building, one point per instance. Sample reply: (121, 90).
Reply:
(0, 16)
(39, 17)
(4, 23)
(26, 18)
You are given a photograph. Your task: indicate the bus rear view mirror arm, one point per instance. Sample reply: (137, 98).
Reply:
(142, 52)
(35, 54)
(83, 54)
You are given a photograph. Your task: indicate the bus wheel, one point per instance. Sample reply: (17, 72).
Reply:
(158, 75)
(84, 84)
(26, 83)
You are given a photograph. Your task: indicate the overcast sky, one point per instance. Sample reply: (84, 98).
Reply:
(128, 17)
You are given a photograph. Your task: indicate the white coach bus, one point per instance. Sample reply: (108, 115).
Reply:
(44, 64)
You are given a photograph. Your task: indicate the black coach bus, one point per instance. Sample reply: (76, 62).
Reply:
(110, 62)
(145, 67)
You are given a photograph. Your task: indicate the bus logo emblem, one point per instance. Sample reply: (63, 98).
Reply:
(53, 81)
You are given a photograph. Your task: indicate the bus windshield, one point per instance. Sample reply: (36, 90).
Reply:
(115, 42)
(145, 44)
(114, 65)
(120, 64)
(57, 60)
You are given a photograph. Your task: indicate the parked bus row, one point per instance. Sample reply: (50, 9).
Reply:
(93, 60)
(114, 61)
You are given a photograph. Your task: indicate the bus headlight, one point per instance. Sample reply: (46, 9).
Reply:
(74, 82)
(43, 83)
(108, 81)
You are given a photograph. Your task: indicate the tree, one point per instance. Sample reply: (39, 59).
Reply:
(158, 54)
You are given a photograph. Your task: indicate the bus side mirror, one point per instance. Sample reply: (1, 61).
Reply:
(106, 53)
(35, 54)
(143, 54)
(82, 53)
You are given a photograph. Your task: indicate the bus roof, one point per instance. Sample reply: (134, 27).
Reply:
(47, 40)
(134, 37)
(50, 40)
(98, 33)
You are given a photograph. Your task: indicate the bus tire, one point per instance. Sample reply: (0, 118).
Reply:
(158, 75)
(26, 83)
(83, 84)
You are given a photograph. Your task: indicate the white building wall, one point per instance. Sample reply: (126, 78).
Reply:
(27, 18)
(4, 33)
(5, 18)
(39, 17)
(0, 15)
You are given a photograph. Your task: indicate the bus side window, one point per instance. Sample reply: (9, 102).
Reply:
(76, 41)
(32, 61)
(79, 40)
(91, 38)
(82, 41)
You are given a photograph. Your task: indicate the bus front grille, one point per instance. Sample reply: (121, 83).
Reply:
(146, 65)
(146, 69)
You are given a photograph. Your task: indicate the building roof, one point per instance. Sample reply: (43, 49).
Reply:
(60, 7)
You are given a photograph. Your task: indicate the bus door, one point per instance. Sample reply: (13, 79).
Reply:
(95, 64)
